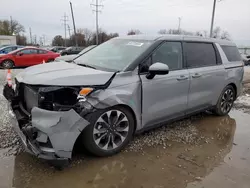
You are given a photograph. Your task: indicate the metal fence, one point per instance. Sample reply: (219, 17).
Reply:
(245, 50)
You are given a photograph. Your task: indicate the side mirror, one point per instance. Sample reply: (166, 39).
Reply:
(157, 69)
(20, 53)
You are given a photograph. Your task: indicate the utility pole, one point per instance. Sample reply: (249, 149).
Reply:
(11, 25)
(64, 20)
(179, 26)
(212, 21)
(31, 41)
(35, 40)
(74, 25)
(97, 11)
(44, 39)
(69, 30)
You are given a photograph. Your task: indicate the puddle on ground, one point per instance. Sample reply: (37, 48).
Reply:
(222, 161)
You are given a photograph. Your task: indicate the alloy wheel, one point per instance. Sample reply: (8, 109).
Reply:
(7, 64)
(227, 101)
(111, 130)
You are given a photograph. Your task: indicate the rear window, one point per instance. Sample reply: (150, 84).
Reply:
(200, 54)
(232, 53)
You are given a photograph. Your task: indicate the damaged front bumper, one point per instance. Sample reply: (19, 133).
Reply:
(48, 135)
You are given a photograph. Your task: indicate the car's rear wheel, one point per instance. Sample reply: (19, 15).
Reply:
(110, 130)
(225, 102)
(7, 64)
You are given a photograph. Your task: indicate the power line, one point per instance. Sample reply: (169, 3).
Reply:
(65, 20)
(97, 11)
(69, 30)
(11, 25)
(179, 26)
(44, 39)
(31, 40)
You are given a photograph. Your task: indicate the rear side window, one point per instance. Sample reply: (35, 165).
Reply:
(232, 53)
(199, 54)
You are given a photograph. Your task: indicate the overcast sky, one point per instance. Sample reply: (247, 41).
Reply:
(149, 16)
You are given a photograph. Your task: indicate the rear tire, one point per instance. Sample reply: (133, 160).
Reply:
(110, 130)
(225, 102)
(8, 64)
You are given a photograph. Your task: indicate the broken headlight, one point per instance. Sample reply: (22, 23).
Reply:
(58, 99)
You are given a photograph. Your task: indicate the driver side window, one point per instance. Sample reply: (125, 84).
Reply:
(169, 53)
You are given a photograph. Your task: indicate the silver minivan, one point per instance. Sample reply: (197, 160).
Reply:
(122, 87)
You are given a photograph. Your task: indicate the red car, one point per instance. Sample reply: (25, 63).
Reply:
(26, 57)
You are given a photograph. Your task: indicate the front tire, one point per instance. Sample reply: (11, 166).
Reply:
(225, 102)
(7, 64)
(110, 130)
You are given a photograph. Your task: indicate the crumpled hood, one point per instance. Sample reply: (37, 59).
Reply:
(66, 58)
(63, 74)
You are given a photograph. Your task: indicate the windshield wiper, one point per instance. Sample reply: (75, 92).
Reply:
(85, 65)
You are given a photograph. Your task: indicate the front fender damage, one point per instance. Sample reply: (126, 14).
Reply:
(61, 128)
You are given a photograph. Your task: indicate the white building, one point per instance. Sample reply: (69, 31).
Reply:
(7, 40)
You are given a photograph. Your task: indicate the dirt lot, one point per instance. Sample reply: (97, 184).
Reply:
(201, 151)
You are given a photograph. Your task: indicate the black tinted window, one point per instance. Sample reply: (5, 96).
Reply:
(200, 54)
(232, 53)
(169, 53)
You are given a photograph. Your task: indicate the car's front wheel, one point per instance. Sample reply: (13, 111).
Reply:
(226, 101)
(7, 64)
(110, 130)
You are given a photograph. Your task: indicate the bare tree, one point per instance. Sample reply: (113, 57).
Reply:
(163, 32)
(10, 27)
(88, 35)
(21, 40)
(58, 41)
(134, 32)
(216, 32)
(225, 35)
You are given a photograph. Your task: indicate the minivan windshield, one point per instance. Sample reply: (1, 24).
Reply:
(114, 55)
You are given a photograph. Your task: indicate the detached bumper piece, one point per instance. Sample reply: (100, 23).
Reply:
(49, 135)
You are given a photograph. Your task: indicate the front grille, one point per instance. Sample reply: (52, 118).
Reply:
(30, 98)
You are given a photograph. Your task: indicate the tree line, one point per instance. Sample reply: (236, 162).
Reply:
(86, 37)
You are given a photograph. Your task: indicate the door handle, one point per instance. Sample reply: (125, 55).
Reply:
(182, 77)
(197, 75)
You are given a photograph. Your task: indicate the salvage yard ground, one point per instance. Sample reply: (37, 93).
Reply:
(201, 151)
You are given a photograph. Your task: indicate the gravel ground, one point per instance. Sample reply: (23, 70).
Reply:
(181, 131)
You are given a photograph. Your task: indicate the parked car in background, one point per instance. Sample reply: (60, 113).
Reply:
(4, 45)
(71, 50)
(26, 57)
(122, 87)
(8, 49)
(246, 59)
(70, 58)
(56, 48)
